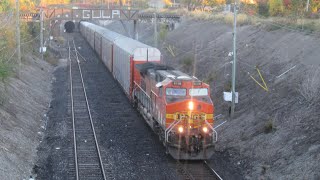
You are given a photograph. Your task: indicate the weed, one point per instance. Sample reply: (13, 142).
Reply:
(264, 169)
(51, 60)
(272, 27)
(3, 98)
(60, 40)
(212, 76)
(269, 127)
(227, 86)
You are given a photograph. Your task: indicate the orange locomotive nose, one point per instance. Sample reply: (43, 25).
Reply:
(192, 113)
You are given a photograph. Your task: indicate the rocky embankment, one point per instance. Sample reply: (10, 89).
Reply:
(24, 102)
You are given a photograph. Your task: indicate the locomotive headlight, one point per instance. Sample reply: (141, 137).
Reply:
(180, 129)
(205, 129)
(191, 105)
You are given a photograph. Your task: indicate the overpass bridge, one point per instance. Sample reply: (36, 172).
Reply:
(76, 15)
(71, 16)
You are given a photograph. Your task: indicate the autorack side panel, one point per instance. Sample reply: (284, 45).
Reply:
(106, 53)
(140, 54)
(106, 43)
(91, 37)
(121, 67)
(97, 43)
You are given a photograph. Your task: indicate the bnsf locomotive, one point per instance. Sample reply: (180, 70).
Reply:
(175, 105)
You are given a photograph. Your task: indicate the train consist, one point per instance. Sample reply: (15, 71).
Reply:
(175, 105)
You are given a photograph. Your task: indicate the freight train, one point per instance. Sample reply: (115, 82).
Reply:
(175, 105)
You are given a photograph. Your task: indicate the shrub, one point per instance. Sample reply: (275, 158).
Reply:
(163, 32)
(187, 62)
(212, 76)
(227, 86)
(242, 19)
(263, 9)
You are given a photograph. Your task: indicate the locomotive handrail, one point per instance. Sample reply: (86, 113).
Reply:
(154, 93)
(142, 90)
(169, 129)
(148, 103)
(215, 132)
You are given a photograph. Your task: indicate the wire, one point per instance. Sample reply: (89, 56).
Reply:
(30, 40)
(3, 48)
(12, 55)
(8, 18)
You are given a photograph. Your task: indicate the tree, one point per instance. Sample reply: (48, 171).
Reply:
(315, 5)
(4, 6)
(27, 5)
(276, 7)
(263, 8)
(213, 2)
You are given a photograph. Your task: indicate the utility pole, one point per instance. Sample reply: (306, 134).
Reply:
(234, 59)
(41, 33)
(18, 35)
(155, 31)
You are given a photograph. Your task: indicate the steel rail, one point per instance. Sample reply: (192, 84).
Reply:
(210, 168)
(90, 116)
(189, 173)
(184, 171)
(73, 119)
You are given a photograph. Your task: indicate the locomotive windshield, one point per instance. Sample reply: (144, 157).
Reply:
(176, 92)
(198, 92)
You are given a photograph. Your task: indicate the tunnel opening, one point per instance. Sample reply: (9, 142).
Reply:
(69, 26)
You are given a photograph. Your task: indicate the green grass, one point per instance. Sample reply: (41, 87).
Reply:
(163, 32)
(5, 70)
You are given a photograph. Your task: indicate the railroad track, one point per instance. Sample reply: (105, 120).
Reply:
(86, 153)
(196, 170)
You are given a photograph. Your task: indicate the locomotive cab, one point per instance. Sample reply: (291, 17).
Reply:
(189, 118)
